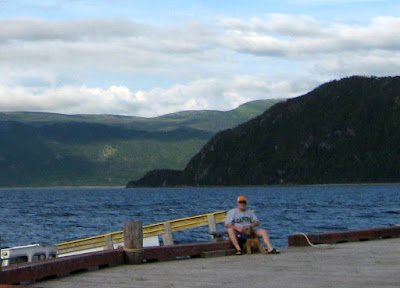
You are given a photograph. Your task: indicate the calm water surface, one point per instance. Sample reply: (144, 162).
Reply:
(50, 216)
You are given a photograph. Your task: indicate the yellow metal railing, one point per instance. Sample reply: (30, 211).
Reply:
(101, 242)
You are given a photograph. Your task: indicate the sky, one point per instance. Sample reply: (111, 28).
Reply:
(149, 58)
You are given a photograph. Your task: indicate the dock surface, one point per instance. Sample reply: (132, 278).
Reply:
(374, 263)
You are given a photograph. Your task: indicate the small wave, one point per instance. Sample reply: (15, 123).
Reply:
(369, 216)
(49, 214)
(68, 214)
(311, 211)
(281, 210)
(392, 212)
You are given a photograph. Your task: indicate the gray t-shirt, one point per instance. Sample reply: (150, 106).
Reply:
(240, 219)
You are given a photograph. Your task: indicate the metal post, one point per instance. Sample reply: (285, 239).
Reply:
(133, 239)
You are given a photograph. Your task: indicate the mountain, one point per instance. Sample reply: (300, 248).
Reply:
(345, 131)
(204, 120)
(48, 149)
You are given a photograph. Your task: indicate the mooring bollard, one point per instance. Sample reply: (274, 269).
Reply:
(133, 239)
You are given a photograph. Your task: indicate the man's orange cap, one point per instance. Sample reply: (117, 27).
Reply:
(242, 198)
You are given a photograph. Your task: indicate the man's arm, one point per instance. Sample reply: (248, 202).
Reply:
(254, 220)
(255, 223)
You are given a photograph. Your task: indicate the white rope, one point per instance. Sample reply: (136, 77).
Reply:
(309, 242)
(305, 236)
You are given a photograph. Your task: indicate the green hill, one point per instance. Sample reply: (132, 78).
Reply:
(345, 131)
(47, 149)
(205, 120)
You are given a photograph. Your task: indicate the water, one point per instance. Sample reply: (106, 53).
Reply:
(50, 216)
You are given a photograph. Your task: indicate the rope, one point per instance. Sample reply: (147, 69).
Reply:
(309, 242)
(305, 236)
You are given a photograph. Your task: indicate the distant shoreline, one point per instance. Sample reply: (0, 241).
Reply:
(63, 187)
(236, 186)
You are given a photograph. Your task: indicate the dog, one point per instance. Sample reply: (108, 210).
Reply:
(252, 240)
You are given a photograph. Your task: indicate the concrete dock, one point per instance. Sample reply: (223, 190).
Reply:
(373, 263)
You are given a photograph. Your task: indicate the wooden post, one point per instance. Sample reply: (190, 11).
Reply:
(212, 224)
(109, 242)
(167, 236)
(133, 239)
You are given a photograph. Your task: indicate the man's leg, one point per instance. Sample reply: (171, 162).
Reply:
(233, 238)
(264, 235)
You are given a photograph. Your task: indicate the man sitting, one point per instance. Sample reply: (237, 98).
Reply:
(240, 217)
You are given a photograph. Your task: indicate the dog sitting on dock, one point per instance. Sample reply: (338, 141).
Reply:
(252, 240)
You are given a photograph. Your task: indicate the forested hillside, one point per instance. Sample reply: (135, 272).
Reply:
(345, 131)
(46, 149)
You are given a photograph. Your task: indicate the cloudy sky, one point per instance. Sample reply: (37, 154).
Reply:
(148, 58)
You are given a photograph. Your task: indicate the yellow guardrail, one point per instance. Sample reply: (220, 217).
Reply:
(101, 242)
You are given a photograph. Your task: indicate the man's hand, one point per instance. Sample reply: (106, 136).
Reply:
(238, 229)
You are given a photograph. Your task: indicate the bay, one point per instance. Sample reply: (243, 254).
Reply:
(50, 216)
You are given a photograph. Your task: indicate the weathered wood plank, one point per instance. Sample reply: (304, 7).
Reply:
(218, 253)
(191, 249)
(300, 239)
(34, 271)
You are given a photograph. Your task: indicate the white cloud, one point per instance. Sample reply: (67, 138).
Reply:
(377, 63)
(51, 65)
(210, 94)
(112, 46)
(303, 36)
(35, 30)
(274, 24)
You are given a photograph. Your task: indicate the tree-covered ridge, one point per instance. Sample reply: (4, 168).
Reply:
(47, 149)
(344, 131)
(205, 120)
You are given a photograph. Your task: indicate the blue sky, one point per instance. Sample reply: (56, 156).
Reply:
(148, 58)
